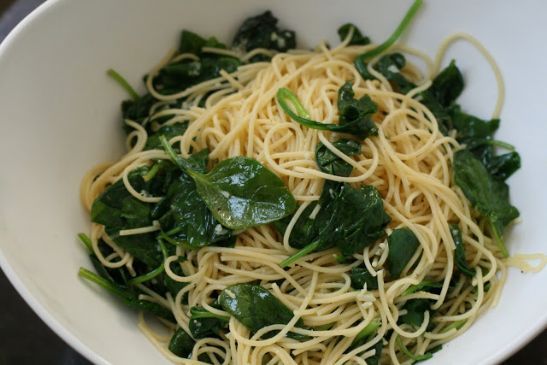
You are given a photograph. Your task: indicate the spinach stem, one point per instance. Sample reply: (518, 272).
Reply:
(303, 252)
(411, 12)
(287, 95)
(148, 276)
(153, 171)
(123, 83)
(179, 161)
(284, 96)
(102, 282)
(367, 331)
(84, 238)
(498, 239)
(457, 325)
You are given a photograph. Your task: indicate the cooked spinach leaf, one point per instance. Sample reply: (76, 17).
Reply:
(425, 285)
(181, 343)
(459, 253)
(169, 131)
(261, 31)
(206, 324)
(490, 197)
(304, 231)
(187, 219)
(137, 110)
(349, 219)
(329, 163)
(255, 307)
(193, 43)
(117, 210)
(357, 37)
(503, 166)
(355, 114)
(390, 66)
(415, 311)
(361, 276)
(447, 85)
(240, 192)
(402, 244)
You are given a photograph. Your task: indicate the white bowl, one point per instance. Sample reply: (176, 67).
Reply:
(60, 115)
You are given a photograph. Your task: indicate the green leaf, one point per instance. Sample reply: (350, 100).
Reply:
(461, 261)
(181, 344)
(490, 197)
(329, 163)
(206, 324)
(356, 39)
(187, 218)
(390, 66)
(118, 210)
(402, 244)
(447, 85)
(191, 42)
(416, 309)
(349, 219)
(361, 276)
(254, 306)
(261, 31)
(137, 110)
(304, 231)
(169, 131)
(503, 166)
(240, 192)
(355, 115)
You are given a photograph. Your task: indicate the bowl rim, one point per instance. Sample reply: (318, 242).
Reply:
(49, 319)
(71, 339)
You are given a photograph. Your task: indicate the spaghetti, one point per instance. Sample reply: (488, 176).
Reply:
(409, 162)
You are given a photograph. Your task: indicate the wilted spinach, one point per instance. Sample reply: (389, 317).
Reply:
(127, 296)
(181, 343)
(261, 31)
(206, 324)
(355, 114)
(490, 197)
(357, 37)
(255, 307)
(459, 253)
(239, 191)
(329, 163)
(169, 131)
(117, 210)
(348, 218)
(361, 276)
(402, 244)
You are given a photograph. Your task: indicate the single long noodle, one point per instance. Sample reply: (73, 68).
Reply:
(408, 162)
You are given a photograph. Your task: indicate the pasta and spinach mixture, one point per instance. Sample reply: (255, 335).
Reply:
(279, 205)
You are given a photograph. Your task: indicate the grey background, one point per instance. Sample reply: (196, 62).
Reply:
(25, 339)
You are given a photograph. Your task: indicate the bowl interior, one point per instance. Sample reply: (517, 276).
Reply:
(60, 116)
